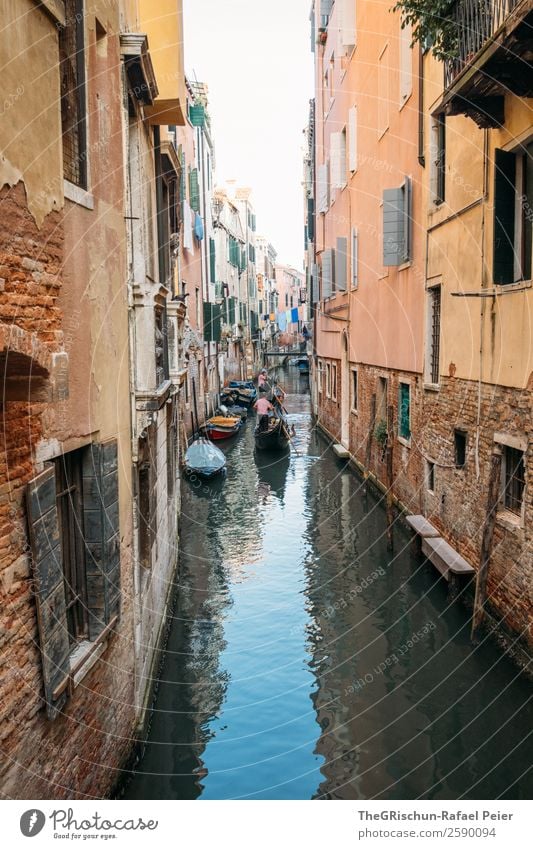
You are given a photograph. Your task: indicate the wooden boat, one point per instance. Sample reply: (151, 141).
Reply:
(204, 459)
(233, 410)
(222, 427)
(245, 390)
(275, 436)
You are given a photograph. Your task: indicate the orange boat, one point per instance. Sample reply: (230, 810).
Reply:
(222, 427)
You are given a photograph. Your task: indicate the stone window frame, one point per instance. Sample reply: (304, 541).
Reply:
(504, 515)
(328, 380)
(333, 381)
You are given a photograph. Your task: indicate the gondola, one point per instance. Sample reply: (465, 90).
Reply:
(272, 435)
(222, 427)
(204, 459)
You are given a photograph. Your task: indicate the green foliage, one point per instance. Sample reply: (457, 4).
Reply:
(433, 24)
(380, 432)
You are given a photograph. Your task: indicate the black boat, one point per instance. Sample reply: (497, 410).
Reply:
(272, 433)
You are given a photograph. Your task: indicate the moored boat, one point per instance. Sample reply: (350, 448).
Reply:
(222, 427)
(246, 392)
(204, 459)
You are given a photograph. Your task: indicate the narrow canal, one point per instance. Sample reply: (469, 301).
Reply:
(307, 662)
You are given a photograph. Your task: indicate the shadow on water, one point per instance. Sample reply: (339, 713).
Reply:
(306, 661)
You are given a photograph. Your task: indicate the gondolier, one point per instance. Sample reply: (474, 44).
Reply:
(263, 407)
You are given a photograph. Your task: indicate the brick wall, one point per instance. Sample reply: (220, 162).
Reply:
(459, 505)
(74, 755)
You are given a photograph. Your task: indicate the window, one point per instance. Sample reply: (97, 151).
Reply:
(352, 132)
(438, 159)
(172, 446)
(354, 398)
(397, 224)
(147, 496)
(514, 479)
(73, 525)
(381, 400)
(430, 476)
(328, 380)
(320, 376)
(433, 335)
(338, 159)
(513, 215)
(459, 438)
(406, 63)
(404, 411)
(161, 351)
(73, 107)
(383, 92)
(355, 258)
(333, 382)
(69, 499)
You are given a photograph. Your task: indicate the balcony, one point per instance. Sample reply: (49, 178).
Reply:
(494, 58)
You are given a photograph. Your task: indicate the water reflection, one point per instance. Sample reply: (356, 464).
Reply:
(306, 661)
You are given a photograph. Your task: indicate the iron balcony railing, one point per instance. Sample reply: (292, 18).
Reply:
(477, 21)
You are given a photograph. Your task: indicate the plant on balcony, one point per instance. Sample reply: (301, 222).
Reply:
(434, 24)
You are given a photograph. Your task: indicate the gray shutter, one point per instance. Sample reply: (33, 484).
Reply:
(102, 540)
(393, 227)
(47, 562)
(341, 261)
(327, 273)
(408, 218)
(313, 29)
(325, 7)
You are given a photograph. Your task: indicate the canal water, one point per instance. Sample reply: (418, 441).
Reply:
(305, 661)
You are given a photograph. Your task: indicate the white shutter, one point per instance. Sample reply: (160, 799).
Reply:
(322, 188)
(355, 258)
(338, 160)
(352, 140)
(347, 22)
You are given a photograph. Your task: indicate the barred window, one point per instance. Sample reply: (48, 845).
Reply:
(73, 109)
(514, 479)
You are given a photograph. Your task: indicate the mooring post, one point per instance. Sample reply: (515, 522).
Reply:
(389, 497)
(368, 453)
(493, 499)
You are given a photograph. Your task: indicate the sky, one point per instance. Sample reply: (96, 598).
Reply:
(256, 58)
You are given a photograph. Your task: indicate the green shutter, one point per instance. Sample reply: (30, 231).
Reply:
(194, 190)
(208, 322)
(47, 563)
(212, 260)
(232, 316)
(216, 322)
(102, 538)
(242, 260)
(504, 216)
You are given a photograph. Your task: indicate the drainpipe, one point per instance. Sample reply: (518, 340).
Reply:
(421, 157)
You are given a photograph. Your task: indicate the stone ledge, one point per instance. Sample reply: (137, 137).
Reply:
(422, 527)
(445, 558)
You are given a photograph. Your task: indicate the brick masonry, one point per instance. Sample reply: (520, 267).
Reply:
(40, 758)
(457, 505)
